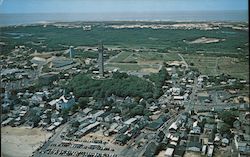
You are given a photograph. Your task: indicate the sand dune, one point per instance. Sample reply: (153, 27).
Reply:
(20, 141)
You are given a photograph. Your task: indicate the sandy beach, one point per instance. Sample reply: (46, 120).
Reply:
(21, 141)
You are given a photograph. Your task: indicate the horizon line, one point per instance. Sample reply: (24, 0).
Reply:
(125, 12)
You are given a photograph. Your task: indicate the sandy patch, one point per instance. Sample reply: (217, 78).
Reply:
(192, 154)
(150, 62)
(98, 136)
(2, 43)
(42, 55)
(204, 40)
(150, 70)
(161, 154)
(20, 141)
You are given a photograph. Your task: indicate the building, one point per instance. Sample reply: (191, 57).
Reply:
(150, 150)
(100, 60)
(47, 78)
(169, 152)
(210, 151)
(86, 129)
(6, 102)
(60, 62)
(130, 121)
(63, 103)
(71, 52)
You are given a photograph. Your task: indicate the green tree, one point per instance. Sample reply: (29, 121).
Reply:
(75, 124)
(35, 119)
(83, 102)
(228, 117)
(225, 129)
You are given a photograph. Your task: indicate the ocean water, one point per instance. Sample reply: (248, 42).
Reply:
(16, 19)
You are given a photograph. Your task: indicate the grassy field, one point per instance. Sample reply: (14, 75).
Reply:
(216, 65)
(54, 38)
(121, 57)
(134, 67)
(141, 47)
(143, 61)
(146, 55)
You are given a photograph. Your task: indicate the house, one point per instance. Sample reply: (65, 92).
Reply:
(179, 151)
(204, 150)
(87, 110)
(178, 97)
(64, 103)
(37, 98)
(109, 118)
(209, 128)
(160, 136)
(150, 150)
(122, 139)
(113, 127)
(98, 114)
(6, 102)
(7, 121)
(210, 151)
(47, 78)
(130, 121)
(51, 127)
(237, 124)
(244, 107)
(217, 139)
(224, 142)
(243, 146)
(184, 135)
(193, 143)
(86, 129)
(154, 125)
(196, 129)
(194, 146)
(169, 152)
(173, 127)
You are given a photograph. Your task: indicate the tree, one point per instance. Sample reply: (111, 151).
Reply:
(138, 110)
(35, 119)
(75, 124)
(225, 129)
(75, 108)
(228, 117)
(83, 102)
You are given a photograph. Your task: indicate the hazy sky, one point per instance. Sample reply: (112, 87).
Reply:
(114, 6)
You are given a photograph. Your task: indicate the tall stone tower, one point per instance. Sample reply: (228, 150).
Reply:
(100, 59)
(71, 51)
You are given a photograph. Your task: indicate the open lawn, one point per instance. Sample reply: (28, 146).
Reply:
(134, 67)
(52, 38)
(212, 65)
(142, 47)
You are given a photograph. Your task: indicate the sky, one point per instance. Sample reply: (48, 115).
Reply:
(118, 6)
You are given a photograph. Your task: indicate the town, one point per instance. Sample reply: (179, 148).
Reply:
(92, 106)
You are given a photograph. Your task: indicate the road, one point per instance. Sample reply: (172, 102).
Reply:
(182, 58)
(54, 139)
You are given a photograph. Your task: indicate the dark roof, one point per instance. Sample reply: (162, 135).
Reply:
(180, 150)
(194, 144)
(122, 138)
(105, 114)
(150, 150)
(155, 124)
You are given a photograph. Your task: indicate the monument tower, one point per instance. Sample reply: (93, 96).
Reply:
(100, 60)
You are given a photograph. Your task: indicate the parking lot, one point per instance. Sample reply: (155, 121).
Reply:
(59, 152)
(83, 146)
(90, 148)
